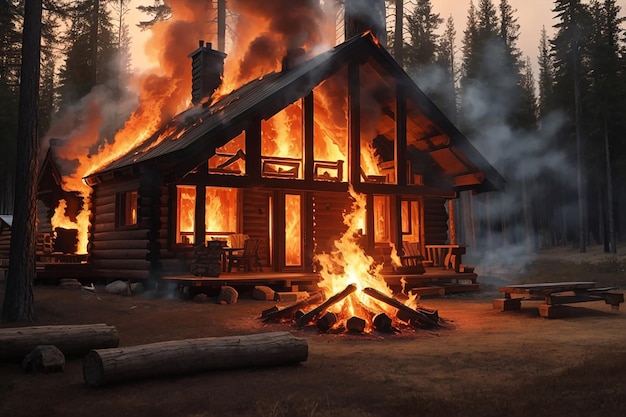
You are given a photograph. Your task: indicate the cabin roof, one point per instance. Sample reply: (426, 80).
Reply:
(6, 219)
(195, 133)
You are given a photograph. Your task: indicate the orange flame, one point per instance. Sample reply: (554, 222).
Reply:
(349, 263)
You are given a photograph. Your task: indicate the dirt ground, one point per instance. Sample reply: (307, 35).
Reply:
(485, 363)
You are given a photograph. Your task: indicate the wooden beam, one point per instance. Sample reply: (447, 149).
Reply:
(200, 215)
(474, 178)
(308, 128)
(354, 123)
(400, 153)
(253, 150)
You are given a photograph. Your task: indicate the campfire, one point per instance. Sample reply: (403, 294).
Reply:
(353, 296)
(389, 315)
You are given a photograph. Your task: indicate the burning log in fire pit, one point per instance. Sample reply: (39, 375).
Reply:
(327, 321)
(308, 317)
(355, 324)
(383, 323)
(424, 318)
(275, 314)
(362, 317)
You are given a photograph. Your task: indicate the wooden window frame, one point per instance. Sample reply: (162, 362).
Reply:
(126, 204)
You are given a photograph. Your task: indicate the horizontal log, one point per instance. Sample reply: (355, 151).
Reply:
(423, 318)
(72, 340)
(321, 309)
(104, 209)
(102, 218)
(100, 253)
(288, 313)
(132, 234)
(178, 357)
(99, 227)
(126, 274)
(120, 244)
(120, 264)
(101, 199)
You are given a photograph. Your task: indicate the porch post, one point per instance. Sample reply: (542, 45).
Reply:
(354, 124)
(451, 222)
(200, 227)
(400, 148)
(396, 220)
(309, 150)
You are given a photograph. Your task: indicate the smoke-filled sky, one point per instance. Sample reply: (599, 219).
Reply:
(532, 16)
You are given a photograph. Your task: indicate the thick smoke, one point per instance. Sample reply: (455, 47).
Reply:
(526, 158)
(267, 30)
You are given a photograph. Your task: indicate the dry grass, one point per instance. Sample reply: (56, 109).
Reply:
(595, 387)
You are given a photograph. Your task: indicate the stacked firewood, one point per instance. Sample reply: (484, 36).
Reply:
(325, 320)
(207, 260)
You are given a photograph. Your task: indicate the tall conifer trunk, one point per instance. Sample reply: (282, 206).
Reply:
(18, 297)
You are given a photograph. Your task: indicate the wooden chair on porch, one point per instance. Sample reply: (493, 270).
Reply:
(411, 259)
(248, 259)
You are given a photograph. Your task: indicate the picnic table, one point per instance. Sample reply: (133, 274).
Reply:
(555, 294)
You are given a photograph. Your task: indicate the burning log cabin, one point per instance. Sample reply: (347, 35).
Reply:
(282, 160)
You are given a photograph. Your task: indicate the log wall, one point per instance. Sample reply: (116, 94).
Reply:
(435, 221)
(5, 242)
(117, 253)
(328, 218)
(256, 220)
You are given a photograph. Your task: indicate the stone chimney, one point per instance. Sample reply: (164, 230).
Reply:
(364, 15)
(207, 69)
(293, 58)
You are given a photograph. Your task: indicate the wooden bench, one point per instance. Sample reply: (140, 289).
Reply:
(555, 294)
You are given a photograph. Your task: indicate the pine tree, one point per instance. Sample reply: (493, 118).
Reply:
(10, 43)
(91, 47)
(159, 10)
(469, 48)
(569, 49)
(546, 76)
(606, 104)
(18, 297)
(422, 27)
(446, 52)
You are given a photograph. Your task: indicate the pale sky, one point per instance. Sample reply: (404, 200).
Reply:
(531, 15)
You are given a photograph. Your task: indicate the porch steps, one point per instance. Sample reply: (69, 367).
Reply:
(444, 289)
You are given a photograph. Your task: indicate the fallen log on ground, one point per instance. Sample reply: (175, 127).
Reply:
(177, 357)
(423, 319)
(306, 318)
(288, 313)
(72, 340)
